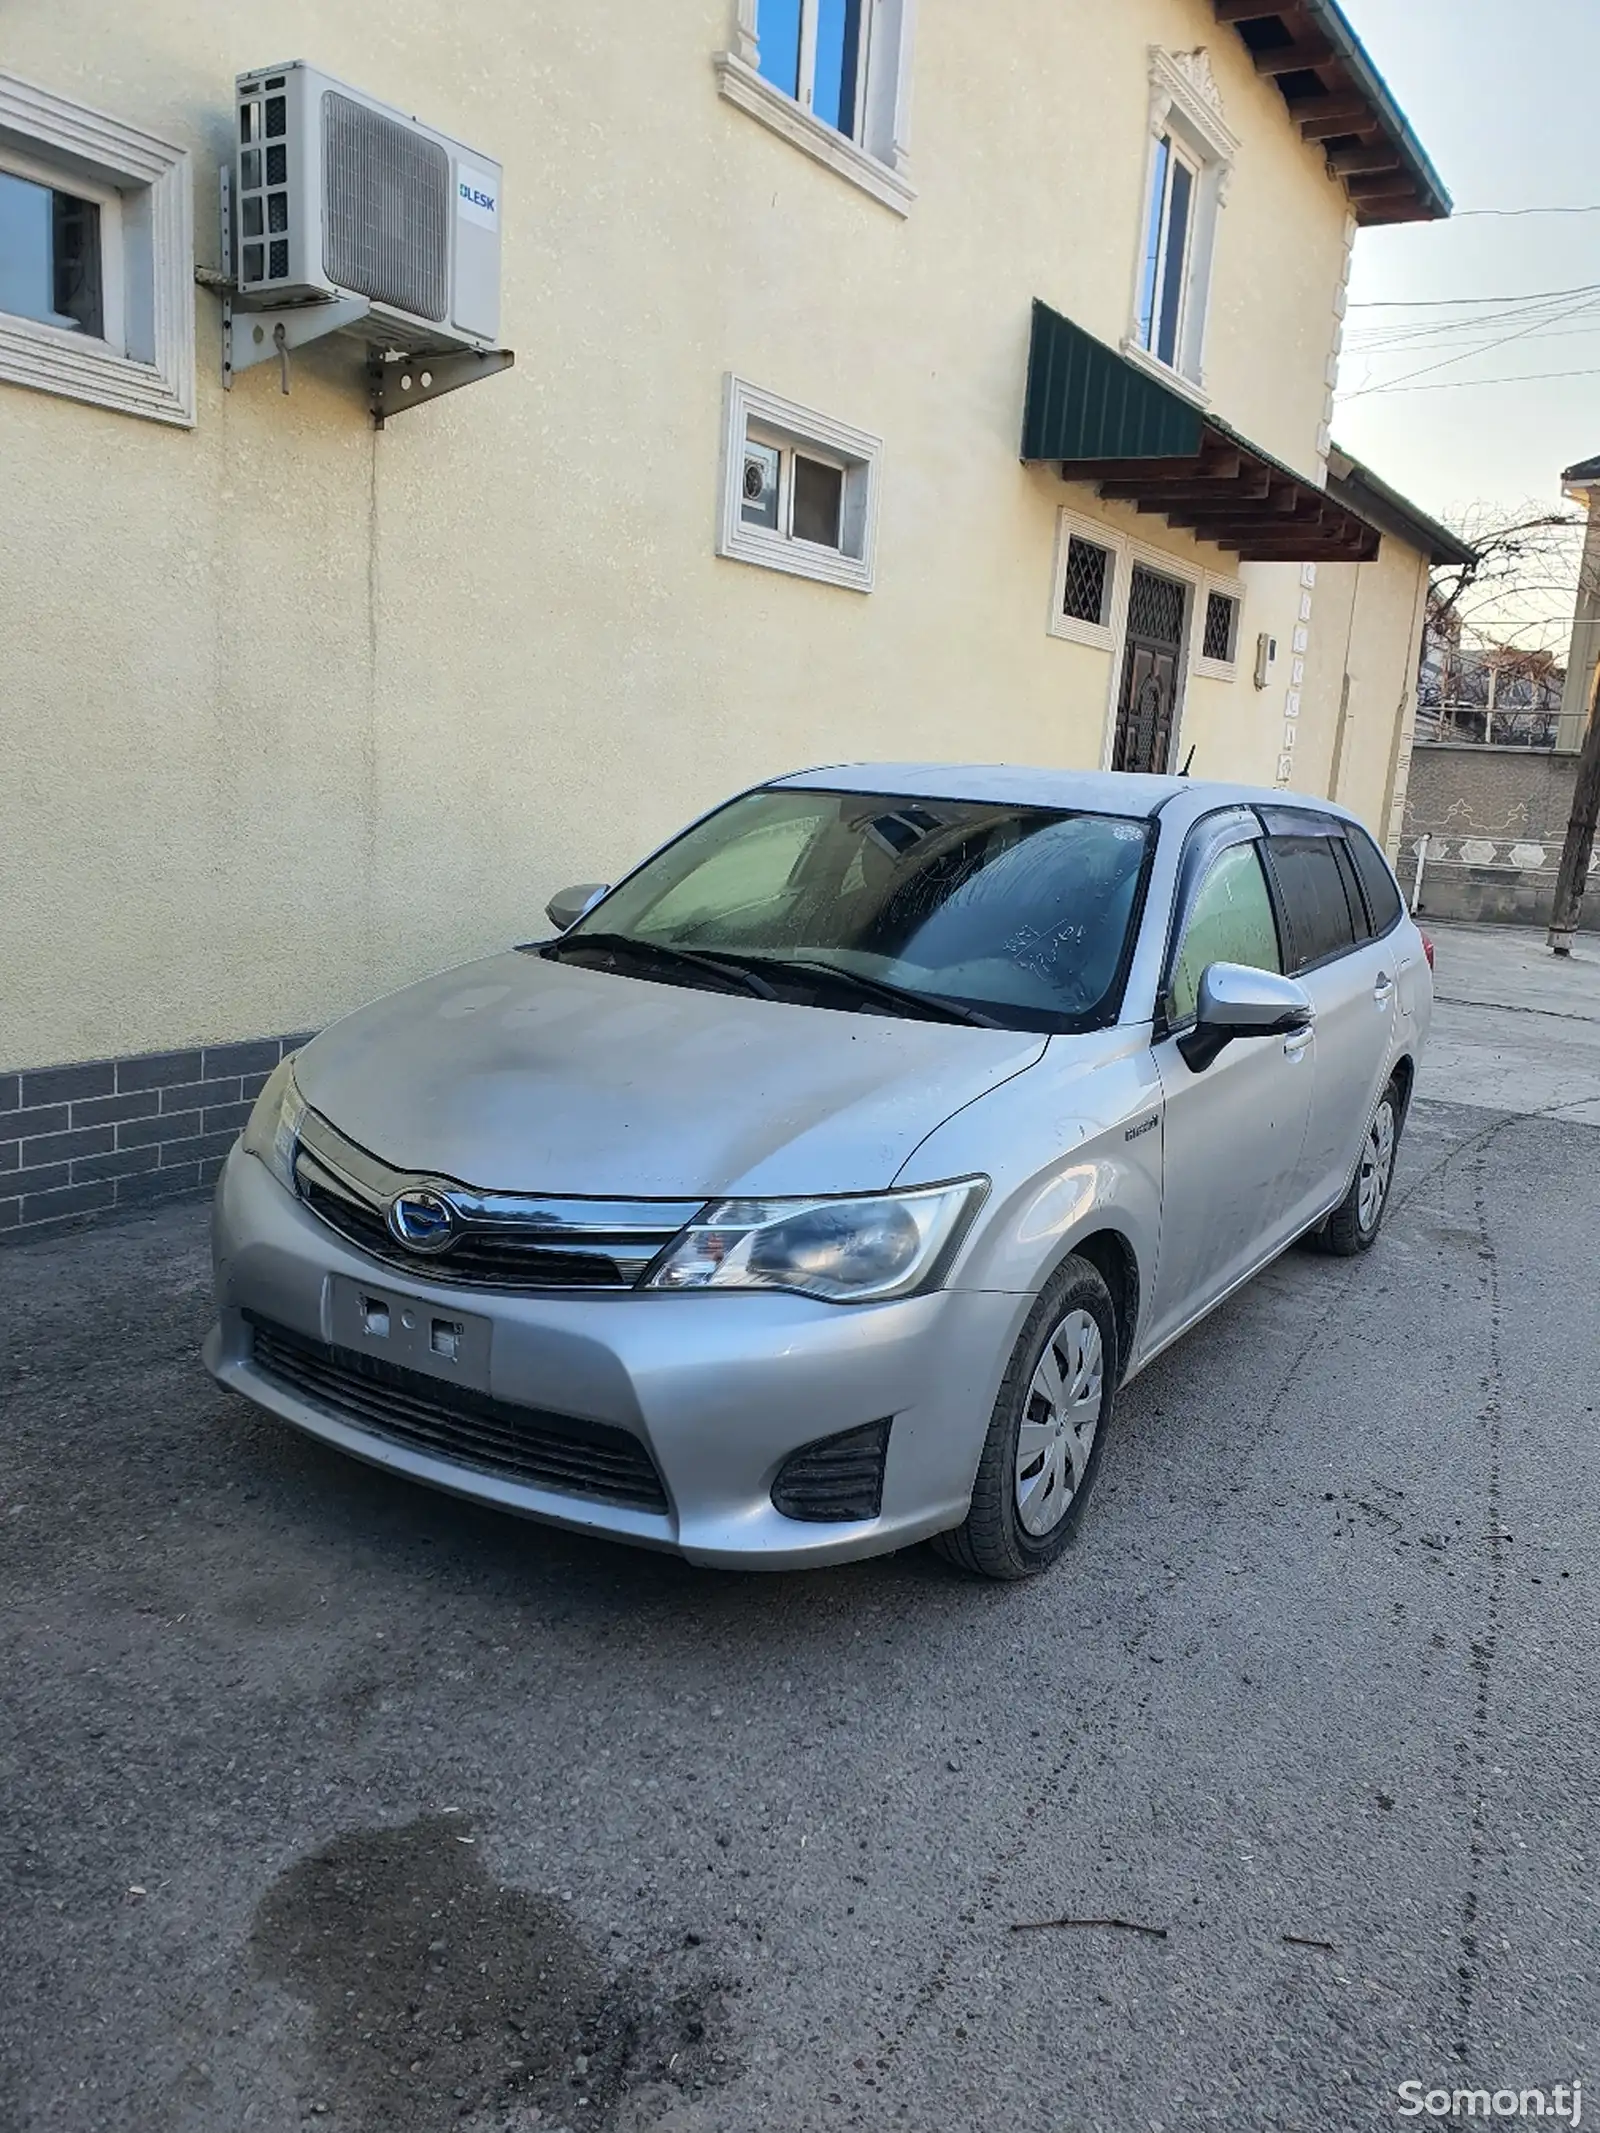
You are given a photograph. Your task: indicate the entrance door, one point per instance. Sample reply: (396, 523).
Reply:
(1149, 696)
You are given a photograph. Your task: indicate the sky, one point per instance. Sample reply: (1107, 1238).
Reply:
(1503, 99)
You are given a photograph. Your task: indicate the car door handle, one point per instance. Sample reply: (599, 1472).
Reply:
(1382, 989)
(1295, 1044)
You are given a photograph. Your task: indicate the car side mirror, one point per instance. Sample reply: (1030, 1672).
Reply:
(567, 906)
(1236, 1001)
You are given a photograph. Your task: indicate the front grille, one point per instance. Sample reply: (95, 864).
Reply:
(387, 228)
(513, 1241)
(835, 1478)
(561, 1452)
(478, 1259)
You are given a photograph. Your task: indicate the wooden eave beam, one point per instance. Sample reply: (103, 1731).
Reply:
(1249, 10)
(1296, 58)
(1320, 118)
(1203, 467)
(1160, 495)
(1357, 162)
(1388, 187)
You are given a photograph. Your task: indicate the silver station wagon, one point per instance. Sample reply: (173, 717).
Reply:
(813, 1191)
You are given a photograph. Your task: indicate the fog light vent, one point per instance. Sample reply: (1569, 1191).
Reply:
(835, 1478)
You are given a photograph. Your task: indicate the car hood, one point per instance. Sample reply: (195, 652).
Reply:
(521, 1075)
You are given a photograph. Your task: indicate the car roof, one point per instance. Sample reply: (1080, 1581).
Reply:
(1098, 792)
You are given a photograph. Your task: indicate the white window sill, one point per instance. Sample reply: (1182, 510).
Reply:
(801, 559)
(752, 92)
(1216, 669)
(78, 368)
(1174, 380)
(1098, 636)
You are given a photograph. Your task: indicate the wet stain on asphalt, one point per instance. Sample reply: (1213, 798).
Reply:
(438, 1996)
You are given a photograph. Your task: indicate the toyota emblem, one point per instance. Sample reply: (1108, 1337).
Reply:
(422, 1221)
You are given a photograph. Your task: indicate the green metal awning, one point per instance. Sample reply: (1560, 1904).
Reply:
(1106, 420)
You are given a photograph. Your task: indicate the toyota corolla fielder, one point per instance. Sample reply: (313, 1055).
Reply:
(812, 1191)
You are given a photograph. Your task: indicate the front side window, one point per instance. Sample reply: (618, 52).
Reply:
(50, 256)
(1231, 922)
(1315, 902)
(1019, 916)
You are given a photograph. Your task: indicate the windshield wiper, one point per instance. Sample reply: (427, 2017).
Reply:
(928, 1006)
(732, 976)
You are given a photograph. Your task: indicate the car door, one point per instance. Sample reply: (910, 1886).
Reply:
(1351, 980)
(1233, 1133)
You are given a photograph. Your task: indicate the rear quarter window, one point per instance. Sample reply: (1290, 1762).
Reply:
(1384, 901)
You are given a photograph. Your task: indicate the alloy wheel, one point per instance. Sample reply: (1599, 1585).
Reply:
(1059, 1421)
(1377, 1164)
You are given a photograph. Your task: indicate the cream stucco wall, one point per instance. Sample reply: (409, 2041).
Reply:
(293, 711)
(1359, 705)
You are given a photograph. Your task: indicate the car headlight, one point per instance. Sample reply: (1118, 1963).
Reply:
(864, 1249)
(273, 1130)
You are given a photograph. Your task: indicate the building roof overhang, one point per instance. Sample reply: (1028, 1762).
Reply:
(1339, 100)
(1386, 508)
(1106, 420)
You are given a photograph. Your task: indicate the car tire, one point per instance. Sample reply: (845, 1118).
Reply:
(1059, 1387)
(1354, 1224)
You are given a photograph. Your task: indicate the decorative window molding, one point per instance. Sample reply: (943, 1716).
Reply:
(142, 186)
(1218, 589)
(871, 150)
(776, 461)
(1073, 577)
(1192, 154)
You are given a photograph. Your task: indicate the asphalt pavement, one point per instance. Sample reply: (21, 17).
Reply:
(327, 1802)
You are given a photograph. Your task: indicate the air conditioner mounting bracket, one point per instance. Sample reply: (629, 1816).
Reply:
(398, 382)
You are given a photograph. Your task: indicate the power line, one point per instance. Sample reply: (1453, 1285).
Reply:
(1456, 385)
(1439, 303)
(1463, 213)
(1466, 355)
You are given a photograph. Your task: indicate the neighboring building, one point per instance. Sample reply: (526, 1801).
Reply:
(297, 709)
(1581, 483)
(1495, 816)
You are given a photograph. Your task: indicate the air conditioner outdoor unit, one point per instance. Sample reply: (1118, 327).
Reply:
(338, 197)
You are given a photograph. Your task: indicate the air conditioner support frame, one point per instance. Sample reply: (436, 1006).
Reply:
(395, 381)
(398, 382)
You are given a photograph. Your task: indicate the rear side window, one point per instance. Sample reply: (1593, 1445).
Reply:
(1315, 902)
(1383, 898)
(1231, 922)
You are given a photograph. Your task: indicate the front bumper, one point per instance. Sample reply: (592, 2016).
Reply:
(720, 1388)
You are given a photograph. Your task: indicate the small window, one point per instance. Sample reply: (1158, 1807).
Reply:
(50, 256)
(96, 262)
(1220, 642)
(1384, 902)
(1086, 594)
(1231, 922)
(1315, 901)
(801, 490)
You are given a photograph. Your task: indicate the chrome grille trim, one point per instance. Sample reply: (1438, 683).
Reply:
(505, 1240)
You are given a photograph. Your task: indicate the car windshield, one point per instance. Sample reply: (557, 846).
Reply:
(983, 910)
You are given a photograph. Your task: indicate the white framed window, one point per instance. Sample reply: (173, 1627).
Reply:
(1091, 562)
(1219, 619)
(833, 77)
(1191, 158)
(96, 258)
(799, 489)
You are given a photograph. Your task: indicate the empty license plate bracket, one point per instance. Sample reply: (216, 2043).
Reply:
(410, 1331)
